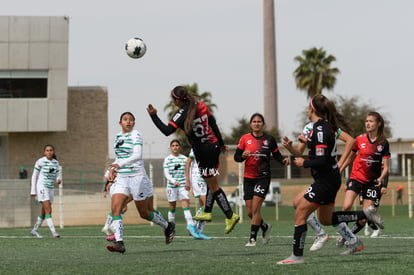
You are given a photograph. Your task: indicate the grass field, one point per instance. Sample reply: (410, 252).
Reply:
(81, 250)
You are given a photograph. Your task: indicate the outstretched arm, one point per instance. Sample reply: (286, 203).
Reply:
(165, 129)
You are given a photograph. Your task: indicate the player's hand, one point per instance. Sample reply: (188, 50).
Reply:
(286, 142)
(223, 149)
(286, 161)
(245, 154)
(299, 162)
(151, 110)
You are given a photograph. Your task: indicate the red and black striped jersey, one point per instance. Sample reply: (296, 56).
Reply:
(367, 165)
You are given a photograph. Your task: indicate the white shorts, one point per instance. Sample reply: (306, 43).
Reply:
(198, 186)
(139, 186)
(175, 194)
(45, 194)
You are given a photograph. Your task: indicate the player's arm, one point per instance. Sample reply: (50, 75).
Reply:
(278, 156)
(187, 171)
(212, 123)
(35, 175)
(165, 129)
(349, 143)
(297, 150)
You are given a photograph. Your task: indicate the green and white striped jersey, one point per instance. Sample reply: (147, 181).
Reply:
(128, 151)
(174, 169)
(45, 172)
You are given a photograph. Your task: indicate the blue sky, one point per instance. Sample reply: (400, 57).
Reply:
(219, 45)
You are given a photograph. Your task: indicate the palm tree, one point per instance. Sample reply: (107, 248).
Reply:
(205, 97)
(314, 72)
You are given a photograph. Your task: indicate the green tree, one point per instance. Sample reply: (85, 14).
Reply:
(355, 112)
(314, 72)
(205, 97)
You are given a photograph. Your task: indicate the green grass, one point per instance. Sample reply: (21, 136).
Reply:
(81, 250)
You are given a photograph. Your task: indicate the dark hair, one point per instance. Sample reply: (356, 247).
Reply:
(325, 109)
(126, 113)
(53, 148)
(380, 131)
(175, 140)
(180, 93)
(255, 115)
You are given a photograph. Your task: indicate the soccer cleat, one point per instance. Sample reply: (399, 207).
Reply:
(340, 242)
(36, 234)
(251, 243)
(169, 232)
(55, 235)
(111, 238)
(375, 233)
(231, 223)
(202, 236)
(352, 248)
(116, 247)
(319, 242)
(368, 230)
(292, 259)
(204, 216)
(372, 215)
(266, 234)
(193, 231)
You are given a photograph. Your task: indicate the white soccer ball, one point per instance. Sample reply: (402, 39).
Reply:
(135, 47)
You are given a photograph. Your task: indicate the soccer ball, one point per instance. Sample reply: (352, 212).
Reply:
(135, 47)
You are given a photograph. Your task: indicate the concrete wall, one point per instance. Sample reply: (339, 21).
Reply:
(84, 146)
(29, 45)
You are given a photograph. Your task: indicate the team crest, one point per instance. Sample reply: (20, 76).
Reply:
(380, 148)
(265, 143)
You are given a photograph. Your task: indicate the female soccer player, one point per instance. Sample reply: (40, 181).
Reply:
(255, 149)
(174, 172)
(370, 155)
(46, 172)
(322, 192)
(205, 138)
(131, 179)
(343, 134)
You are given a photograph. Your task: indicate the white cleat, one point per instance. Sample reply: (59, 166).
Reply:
(251, 243)
(375, 233)
(266, 234)
(36, 234)
(319, 242)
(292, 259)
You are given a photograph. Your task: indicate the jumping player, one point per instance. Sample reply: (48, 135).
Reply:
(205, 138)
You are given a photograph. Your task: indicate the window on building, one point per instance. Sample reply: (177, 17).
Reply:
(23, 84)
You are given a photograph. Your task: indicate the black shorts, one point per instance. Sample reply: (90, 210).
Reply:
(323, 190)
(255, 187)
(367, 191)
(207, 157)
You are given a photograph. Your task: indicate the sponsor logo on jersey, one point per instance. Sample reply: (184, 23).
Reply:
(320, 137)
